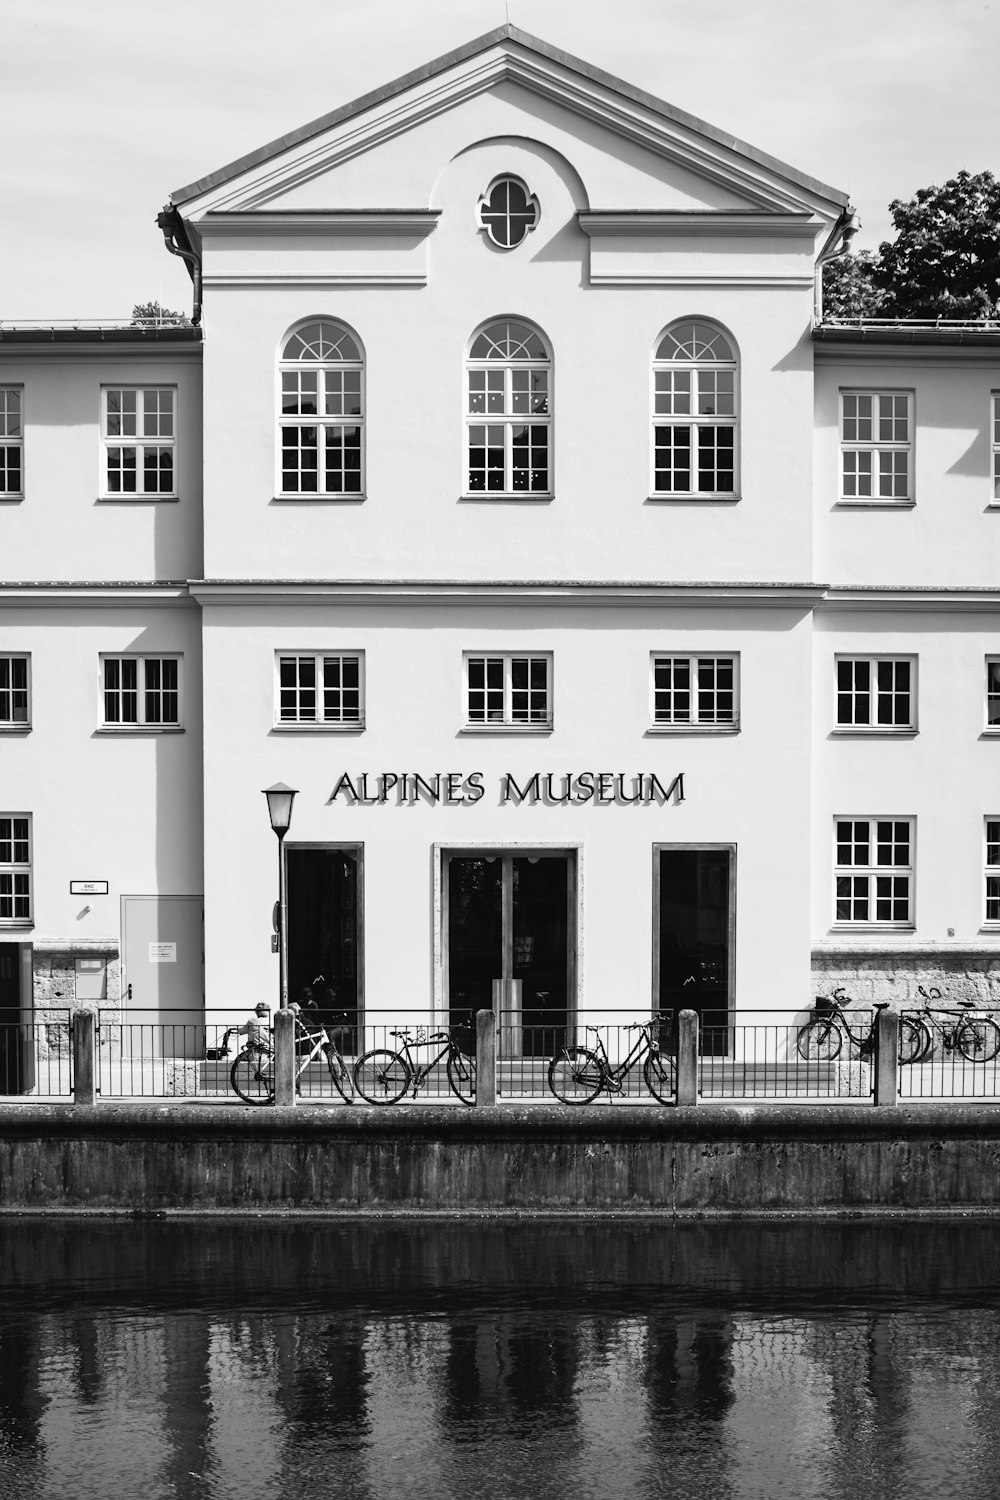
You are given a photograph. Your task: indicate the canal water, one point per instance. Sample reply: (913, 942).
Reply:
(725, 1360)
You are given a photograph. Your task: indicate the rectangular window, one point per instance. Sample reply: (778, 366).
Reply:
(509, 690)
(993, 692)
(15, 703)
(876, 446)
(321, 689)
(141, 692)
(139, 440)
(696, 691)
(15, 867)
(993, 870)
(995, 444)
(11, 441)
(874, 871)
(876, 692)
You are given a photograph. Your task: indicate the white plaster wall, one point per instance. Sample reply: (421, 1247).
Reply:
(947, 776)
(62, 529)
(751, 789)
(125, 808)
(951, 536)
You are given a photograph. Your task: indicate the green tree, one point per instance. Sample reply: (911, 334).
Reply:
(851, 288)
(945, 259)
(152, 315)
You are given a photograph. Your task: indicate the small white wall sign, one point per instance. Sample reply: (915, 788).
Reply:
(88, 887)
(163, 953)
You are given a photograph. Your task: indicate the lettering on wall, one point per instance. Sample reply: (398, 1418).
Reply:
(545, 788)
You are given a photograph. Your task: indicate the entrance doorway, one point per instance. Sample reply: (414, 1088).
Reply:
(694, 905)
(510, 943)
(164, 961)
(324, 893)
(12, 1079)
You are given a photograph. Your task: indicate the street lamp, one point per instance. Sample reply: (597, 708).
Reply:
(279, 810)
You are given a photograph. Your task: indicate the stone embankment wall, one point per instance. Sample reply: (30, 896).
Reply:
(870, 975)
(610, 1159)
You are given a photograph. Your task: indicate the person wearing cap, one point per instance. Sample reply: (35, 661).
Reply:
(257, 1029)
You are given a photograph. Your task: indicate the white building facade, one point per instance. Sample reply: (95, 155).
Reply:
(629, 635)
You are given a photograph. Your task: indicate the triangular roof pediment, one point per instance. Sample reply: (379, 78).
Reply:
(734, 173)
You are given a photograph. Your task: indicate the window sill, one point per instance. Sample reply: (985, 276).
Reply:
(140, 729)
(872, 928)
(137, 500)
(677, 497)
(993, 733)
(318, 499)
(11, 499)
(876, 504)
(681, 729)
(17, 924)
(296, 728)
(536, 729)
(15, 728)
(507, 497)
(874, 732)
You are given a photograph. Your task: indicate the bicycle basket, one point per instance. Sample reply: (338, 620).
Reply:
(465, 1040)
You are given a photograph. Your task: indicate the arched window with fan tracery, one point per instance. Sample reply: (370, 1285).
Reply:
(321, 420)
(509, 412)
(695, 412)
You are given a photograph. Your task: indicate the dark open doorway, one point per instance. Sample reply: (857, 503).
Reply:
(325, 934)
(694, 890)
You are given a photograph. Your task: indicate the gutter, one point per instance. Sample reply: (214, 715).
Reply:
(176, 240)
(838, 244)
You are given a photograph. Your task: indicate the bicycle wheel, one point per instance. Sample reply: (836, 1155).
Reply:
(340, 1073)
(914, 1040)
(660, 1074)
(576, 1076)
(978, 1039)
(819, 1040)
(252, 1076)
(461, 1072)
(381, 1076)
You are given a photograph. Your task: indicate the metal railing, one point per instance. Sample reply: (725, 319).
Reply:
(36, 1057)
(609, 1049)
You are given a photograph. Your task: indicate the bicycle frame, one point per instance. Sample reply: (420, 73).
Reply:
(613, 1076)
(422, 1071)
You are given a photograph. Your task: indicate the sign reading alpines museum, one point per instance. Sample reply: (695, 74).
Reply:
(404, 788)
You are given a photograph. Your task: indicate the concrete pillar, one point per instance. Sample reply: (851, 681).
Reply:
(84, 1059)
(886, 1057)
(687, 1057)
(486, 1057)
(284, 1058)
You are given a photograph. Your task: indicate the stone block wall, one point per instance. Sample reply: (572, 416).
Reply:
(872, 975)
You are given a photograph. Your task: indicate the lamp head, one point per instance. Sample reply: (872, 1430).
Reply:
(279, 806)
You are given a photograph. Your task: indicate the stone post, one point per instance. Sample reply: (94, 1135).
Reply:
(85, 1059)
(687, 1057)
(886, 1057)
(486, 1057)
(284, 1058)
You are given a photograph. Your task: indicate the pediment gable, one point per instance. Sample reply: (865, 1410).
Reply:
(508, 84)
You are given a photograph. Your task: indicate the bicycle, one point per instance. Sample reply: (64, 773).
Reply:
(578, 1074)
(977, 1038)
(821, 1038)
(252, 1073)
(384, 1077)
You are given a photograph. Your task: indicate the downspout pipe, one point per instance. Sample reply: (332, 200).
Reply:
(176, 240)
(838, 244)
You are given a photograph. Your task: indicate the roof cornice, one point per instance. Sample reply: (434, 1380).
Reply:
(670, 223)
(45, 594)
(410, 222)
(568, 593)
(866, 598)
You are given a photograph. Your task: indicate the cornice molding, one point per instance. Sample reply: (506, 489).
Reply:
(395, 222)
(668, 224)
(612, 278)
(583, 594)
(46, 594)
(859, 599)
(316, 279)
(930, 354)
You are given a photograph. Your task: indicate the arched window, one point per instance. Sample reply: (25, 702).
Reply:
(695, 414)
(322, 412)
(509, 411)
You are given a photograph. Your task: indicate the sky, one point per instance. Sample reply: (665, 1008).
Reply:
(112, 104)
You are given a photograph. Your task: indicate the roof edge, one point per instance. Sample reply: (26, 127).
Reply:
(460, 54)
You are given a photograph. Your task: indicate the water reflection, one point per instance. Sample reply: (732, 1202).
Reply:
(546, 1360)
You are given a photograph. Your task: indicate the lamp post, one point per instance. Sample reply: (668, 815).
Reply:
(279, 810)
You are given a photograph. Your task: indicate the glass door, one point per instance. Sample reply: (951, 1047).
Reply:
(694, 895)
(324, 935)
(508, 944)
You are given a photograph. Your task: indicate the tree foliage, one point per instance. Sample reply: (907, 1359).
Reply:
(943, 263)
(152, 315)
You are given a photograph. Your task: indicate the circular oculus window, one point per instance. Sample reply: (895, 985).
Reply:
(507, 212)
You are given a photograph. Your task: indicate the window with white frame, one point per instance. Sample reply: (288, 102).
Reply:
(695, 692)
(876, 692)
(874, 871)
(15, 867)
(992, 872)
(508, 690)
(876, 446)
(507, 212)
(11, 441)
(509, 412)
(141, 692)
(695, 412)
(993, 693)
(321, 425)
(320, 688)
(15, 702)
(995, 444)
(139, 437)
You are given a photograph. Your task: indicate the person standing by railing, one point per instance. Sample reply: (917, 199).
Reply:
(257, 1029)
